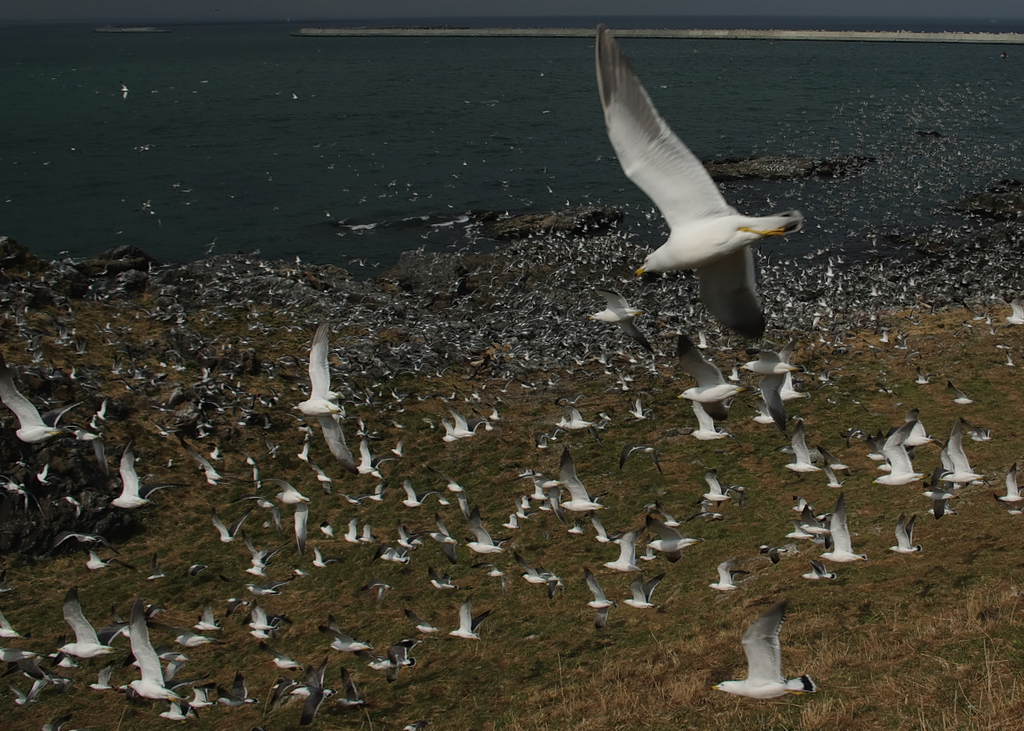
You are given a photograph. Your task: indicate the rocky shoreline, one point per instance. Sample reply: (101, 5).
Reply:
(504, 317)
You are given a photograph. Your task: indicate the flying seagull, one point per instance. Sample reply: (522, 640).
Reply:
(87, 643)
(600, 602)
(322, 400)
(707, 234)
(712, 390)
(764, 661)
(132, 494)
(842, 550)
(618, 312)
(151, 685)
(468, 624)
(905, 535)
(33, 428)
(642, 591)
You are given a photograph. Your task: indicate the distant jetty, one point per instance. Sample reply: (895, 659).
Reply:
(129, 29)
(734, 34)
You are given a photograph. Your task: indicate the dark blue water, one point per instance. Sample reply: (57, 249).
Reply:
(254, 139)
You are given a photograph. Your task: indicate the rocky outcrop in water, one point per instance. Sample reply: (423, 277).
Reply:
(784, 167)
(1002, 202)
(585, 221)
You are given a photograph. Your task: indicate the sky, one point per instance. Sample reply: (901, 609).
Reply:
(218, 10)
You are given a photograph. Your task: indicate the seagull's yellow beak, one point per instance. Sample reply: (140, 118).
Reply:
(769, 232)
(640, 271)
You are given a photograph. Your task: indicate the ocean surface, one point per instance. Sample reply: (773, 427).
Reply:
(352, 150)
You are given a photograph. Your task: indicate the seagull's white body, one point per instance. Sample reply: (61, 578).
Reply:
(627, 551)
(842, 549)
(31, 426)
(468, 624)
(86, 643)
(129, 497)
(322, 400)
(642, 591)
(1012, 490)
(1016, 316)
(764, 661)
(707, 234)
(714, 493)
(600, 602)
(801, 455)
(725, 580)
(959, 396)
(958, 467)
(901, 471)
(905, 535)
(151, 685)
(574, 420)
(288, 495)
(460, 425)
(7, 632)
(207, 622)
(769, 363)
(918, 435)
(413, 500)
(818, 572)
(618, 312)
(706, 429)
(712, 390)
(580, 500)
(484, 543)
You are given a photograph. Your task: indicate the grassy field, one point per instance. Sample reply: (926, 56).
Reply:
(922, 641)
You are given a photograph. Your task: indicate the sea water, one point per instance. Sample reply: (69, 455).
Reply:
(352, 150)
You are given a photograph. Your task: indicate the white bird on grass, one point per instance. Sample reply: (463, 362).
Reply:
(801, 455)
(706, 429)
(627, 551)
(580, 500)
(707, 234)
(1012, 490)
(901, 471)
(483, 543)
(818, 571)
(1016, 316)
(132, 494)
(958, 467)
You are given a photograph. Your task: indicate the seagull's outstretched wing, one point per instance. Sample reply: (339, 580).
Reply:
(651, 154)
(761, 646)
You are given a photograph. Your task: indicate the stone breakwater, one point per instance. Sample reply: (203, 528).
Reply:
(690, 33)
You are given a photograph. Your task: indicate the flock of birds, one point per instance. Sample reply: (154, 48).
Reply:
(707, 235)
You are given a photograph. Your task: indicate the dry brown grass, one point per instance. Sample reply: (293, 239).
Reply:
(928, 641)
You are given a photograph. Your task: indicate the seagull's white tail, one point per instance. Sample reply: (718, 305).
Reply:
(803, 684)
(790, 221)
